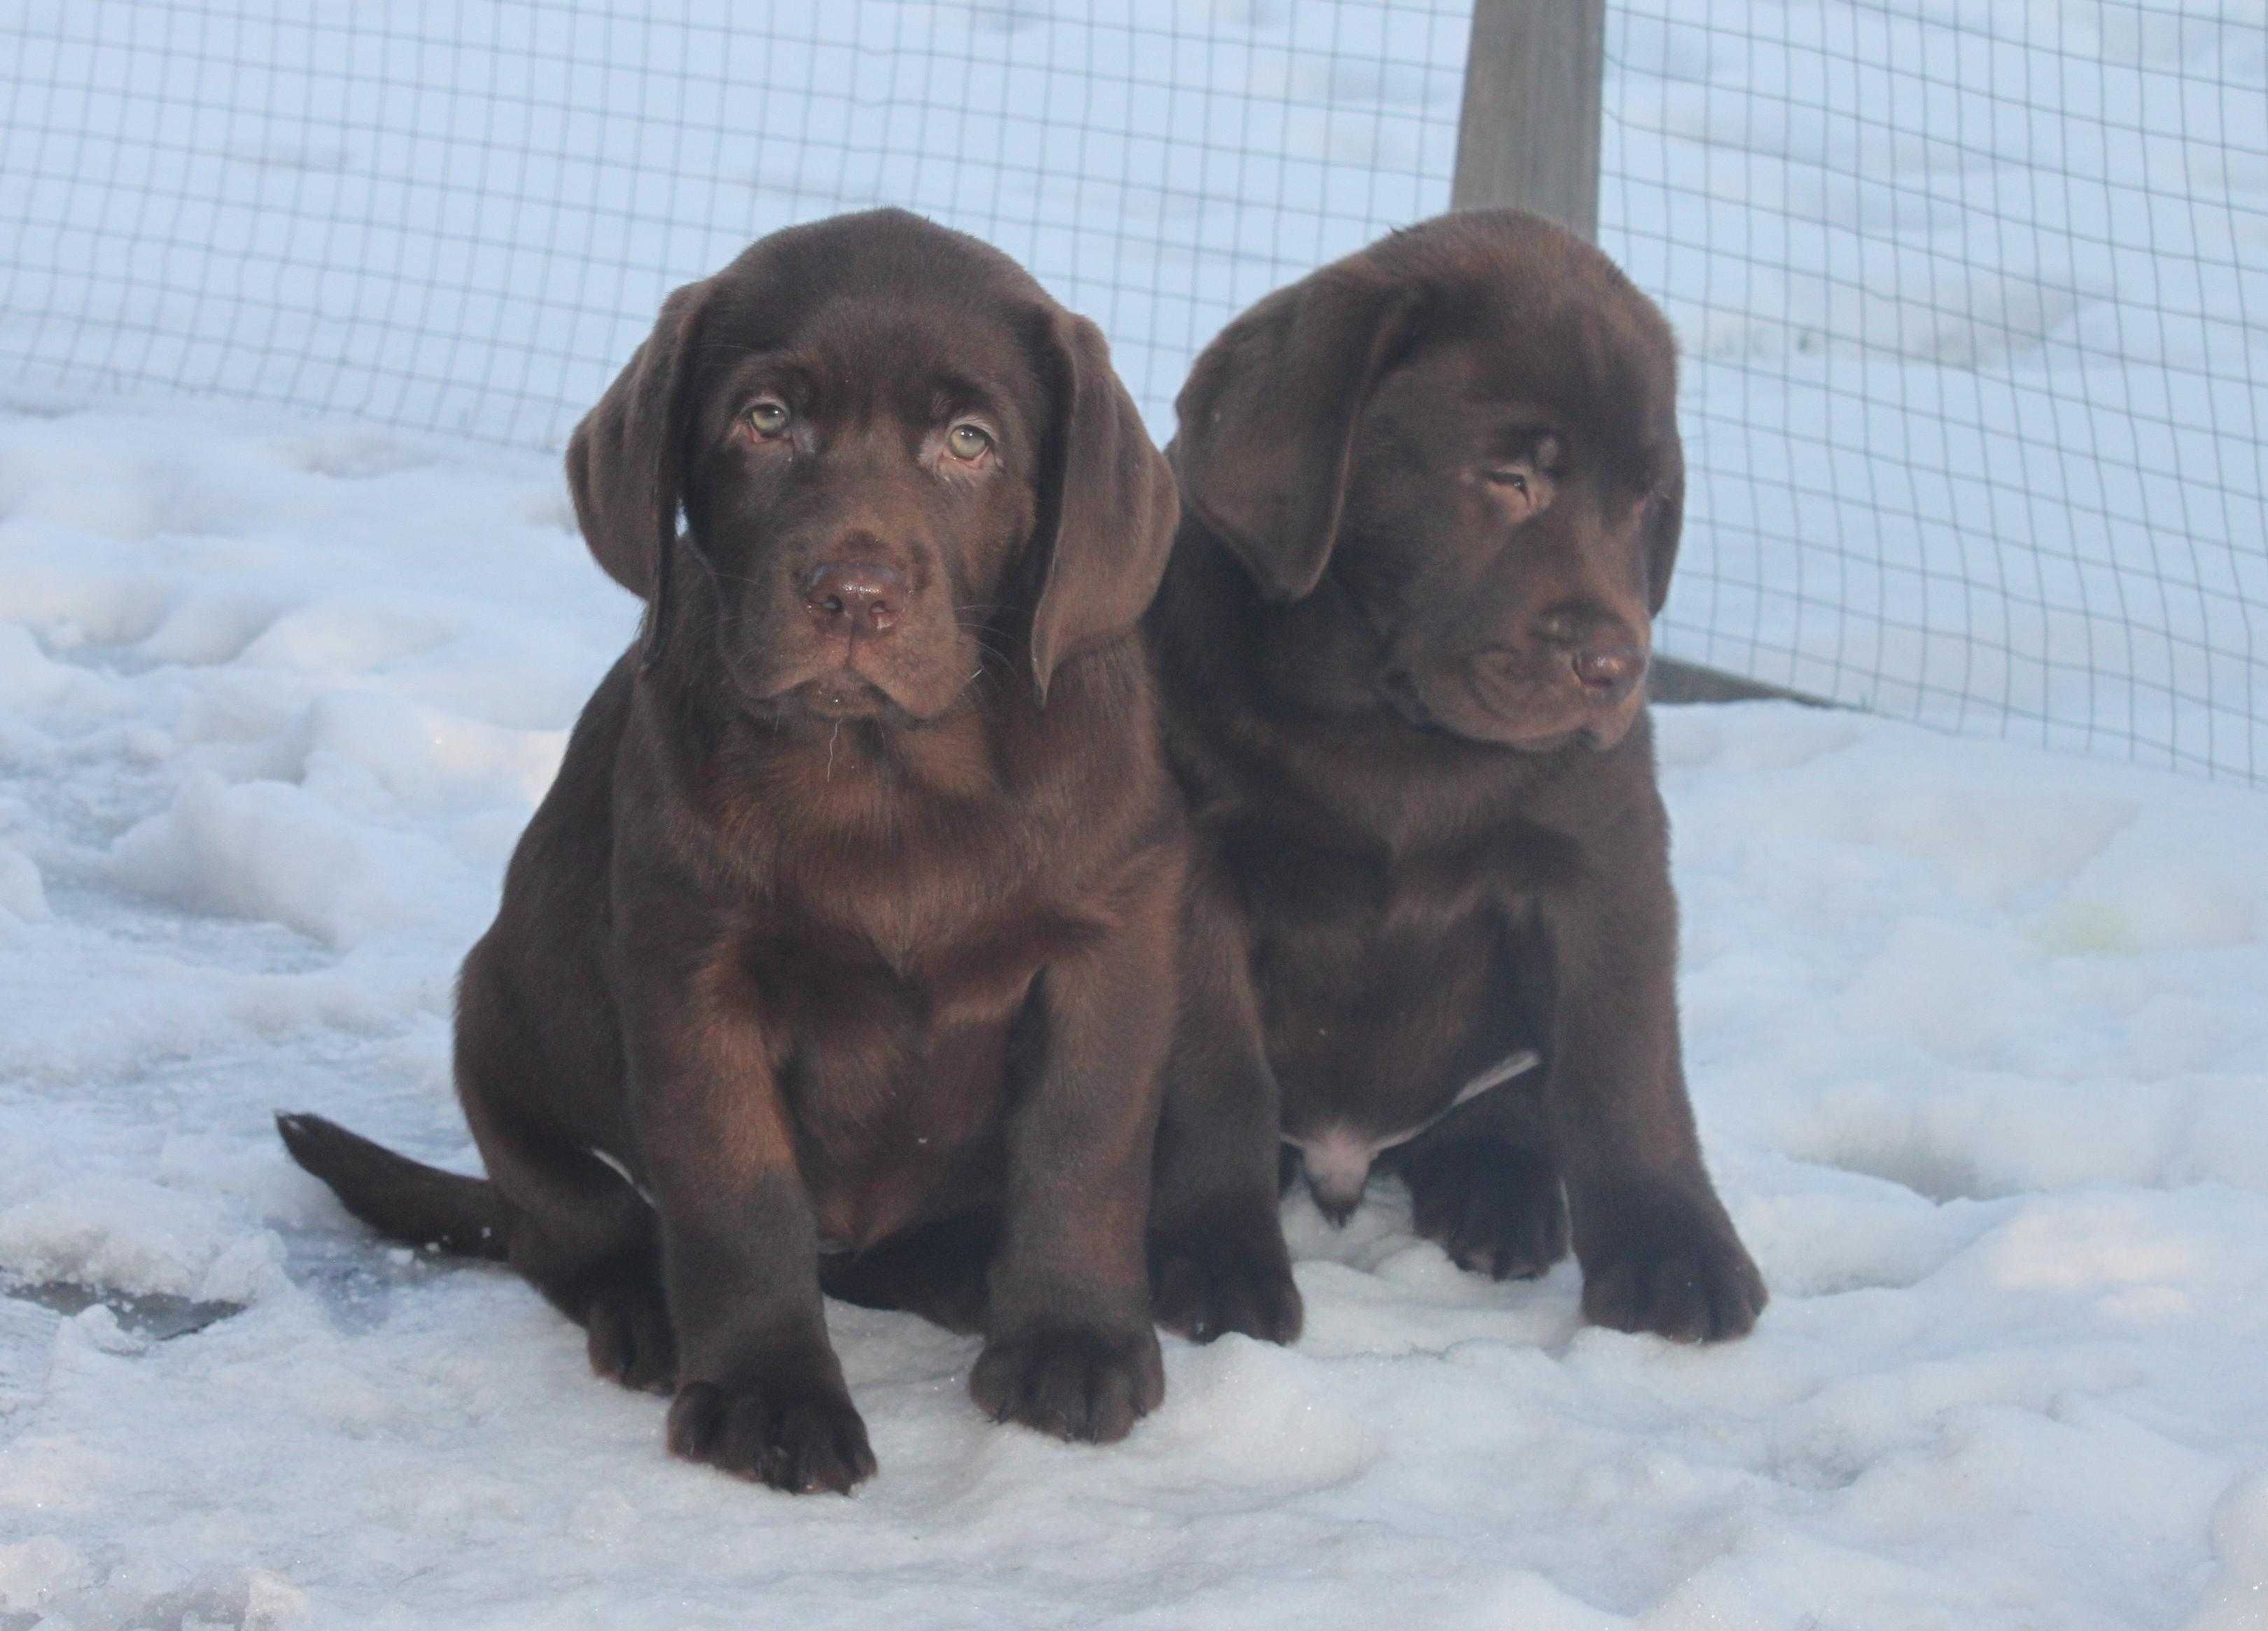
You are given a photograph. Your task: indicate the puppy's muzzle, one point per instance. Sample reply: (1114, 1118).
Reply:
(1602, 658)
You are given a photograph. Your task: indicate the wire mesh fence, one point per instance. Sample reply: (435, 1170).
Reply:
(1973, 302)
(1972, 297)
(463, 217)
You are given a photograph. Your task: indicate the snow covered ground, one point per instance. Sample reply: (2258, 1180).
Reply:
(1976, 1035)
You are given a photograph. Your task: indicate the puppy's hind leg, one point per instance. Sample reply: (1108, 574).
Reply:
(1217, 1260)
(581, 1232)
(1484, 1184)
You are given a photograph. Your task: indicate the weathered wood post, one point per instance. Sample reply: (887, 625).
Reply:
(1528, 134)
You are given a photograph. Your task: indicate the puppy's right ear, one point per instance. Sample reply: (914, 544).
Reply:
(1268, 418)
(623, 463)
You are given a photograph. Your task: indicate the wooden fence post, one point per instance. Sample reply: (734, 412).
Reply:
(1528, 134)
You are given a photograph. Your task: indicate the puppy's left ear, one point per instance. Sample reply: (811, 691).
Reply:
(1268, 413)
(623, 463)
(1664, 522)
(1108, 507)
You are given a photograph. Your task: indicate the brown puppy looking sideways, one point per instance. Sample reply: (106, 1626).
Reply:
(846, 935)
(1432, 497)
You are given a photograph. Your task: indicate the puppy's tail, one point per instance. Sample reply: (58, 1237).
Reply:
(404, 1199)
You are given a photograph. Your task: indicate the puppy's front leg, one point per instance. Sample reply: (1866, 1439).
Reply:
(1658, 1252)
(1069, 1348)
(760, 1392)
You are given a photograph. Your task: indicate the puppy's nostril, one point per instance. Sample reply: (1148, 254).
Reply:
(1609, 670)
(856, 597)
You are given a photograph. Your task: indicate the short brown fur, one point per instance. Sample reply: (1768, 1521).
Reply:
(848, 929)
(1431, 499)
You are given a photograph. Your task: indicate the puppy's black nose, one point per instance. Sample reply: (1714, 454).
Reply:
(1609, 671)
(1600, 652)
(856, 597)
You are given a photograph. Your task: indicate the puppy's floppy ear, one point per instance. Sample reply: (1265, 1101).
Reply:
(1665, 520)
(1268, 418)
(622, 462)
(1108, 507)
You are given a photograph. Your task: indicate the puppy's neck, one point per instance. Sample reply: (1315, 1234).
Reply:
(732, 764)
(843, 762)
(1283, 695)
(1317, 655)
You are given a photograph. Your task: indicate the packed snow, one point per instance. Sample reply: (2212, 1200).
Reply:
(1976, 1036)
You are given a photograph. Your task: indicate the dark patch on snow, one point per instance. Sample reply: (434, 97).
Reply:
(156, 1315)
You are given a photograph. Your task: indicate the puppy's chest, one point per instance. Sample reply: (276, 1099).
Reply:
(1383, 984)
(1301, 873)
(895, 1062)
(853, 975)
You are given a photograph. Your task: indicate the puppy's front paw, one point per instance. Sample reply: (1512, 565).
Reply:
(793, 1434)
(1495, 1207)
(1207, 1282)
(1663, 1258)
(1073, 1383)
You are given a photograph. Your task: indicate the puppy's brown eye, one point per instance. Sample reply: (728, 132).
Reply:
(768, 418)
(1521, 489)
(967, 443)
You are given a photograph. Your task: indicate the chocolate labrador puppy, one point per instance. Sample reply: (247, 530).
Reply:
(843, 949)
(1432, 497)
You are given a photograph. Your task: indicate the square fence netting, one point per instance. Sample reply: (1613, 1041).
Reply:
(1972, 297)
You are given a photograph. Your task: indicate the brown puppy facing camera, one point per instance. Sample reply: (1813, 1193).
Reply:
(842, 951)
(1431, 499)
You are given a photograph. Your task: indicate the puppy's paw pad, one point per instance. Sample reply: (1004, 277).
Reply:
(1497, 1209)
(1080, 1384)
(1669, 1263)
(798, 1436)
(1203, 1286)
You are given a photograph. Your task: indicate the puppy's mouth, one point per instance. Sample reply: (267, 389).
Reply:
(843, 681)
(1405, 699)
(844, 694)
(1397, 688)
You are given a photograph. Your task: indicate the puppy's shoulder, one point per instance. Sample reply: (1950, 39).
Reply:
(1090, 764)
(1608, 802)
(583, 790)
